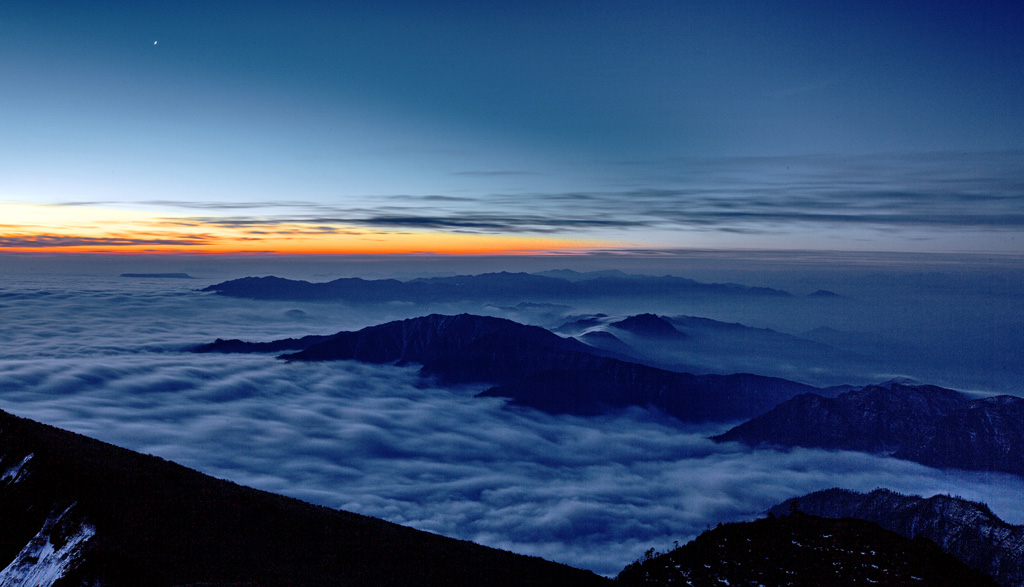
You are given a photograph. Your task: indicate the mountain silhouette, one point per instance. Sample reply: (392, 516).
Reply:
(537, 368)
(503, 286)
(923, 423)
(648, 325)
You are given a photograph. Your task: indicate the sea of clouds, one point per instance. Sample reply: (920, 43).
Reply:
(107, 357)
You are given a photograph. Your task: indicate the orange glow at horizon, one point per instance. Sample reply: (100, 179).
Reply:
(80, 229)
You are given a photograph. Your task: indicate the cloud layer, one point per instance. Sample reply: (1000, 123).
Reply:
(104, 360)
(594, 493)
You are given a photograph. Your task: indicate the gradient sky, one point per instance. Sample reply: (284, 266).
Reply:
(503, 127)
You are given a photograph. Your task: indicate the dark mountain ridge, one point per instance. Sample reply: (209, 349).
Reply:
(536, 368)
(693, 344)
(803, 550)
(922, 423)
(648, 325)
(965, 529)
(159, 275)
(488, 286)
(77, 511)
(456, 349)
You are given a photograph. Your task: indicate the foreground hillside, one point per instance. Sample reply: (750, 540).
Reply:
(76, 511)
(803, 550)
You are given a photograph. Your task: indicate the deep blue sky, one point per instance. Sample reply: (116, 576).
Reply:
(866, 125)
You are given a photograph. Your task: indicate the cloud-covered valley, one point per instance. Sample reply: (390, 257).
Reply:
(591, 492)
(105, 359)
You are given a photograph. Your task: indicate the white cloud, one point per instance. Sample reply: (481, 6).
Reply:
(379, 440)
(590, 492)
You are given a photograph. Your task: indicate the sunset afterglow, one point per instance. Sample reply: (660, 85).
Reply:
(82, 229)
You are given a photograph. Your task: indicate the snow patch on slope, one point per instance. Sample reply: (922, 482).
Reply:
(15, 473)
(41, 563)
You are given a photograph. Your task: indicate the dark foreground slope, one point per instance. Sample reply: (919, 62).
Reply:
(537, 368)
(965, 529)
(803, 550)
(922, 423)
(100, 515)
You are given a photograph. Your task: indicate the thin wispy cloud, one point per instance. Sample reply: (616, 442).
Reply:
(494, 173)
(751, 209)
(927, 196)
(756, 194)
(50, 241)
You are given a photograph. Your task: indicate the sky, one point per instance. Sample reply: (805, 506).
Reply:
(480, 127)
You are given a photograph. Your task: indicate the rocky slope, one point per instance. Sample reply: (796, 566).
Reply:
(76, 511)
(965, 529)
(922, 423)
(984, 434)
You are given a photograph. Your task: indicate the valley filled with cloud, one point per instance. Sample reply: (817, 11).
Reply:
(108, 357)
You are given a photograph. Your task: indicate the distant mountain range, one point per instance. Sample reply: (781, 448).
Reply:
(535, 367)
(930, 425)
(965, 529)
(559, 286)
(650, 326)
(76, 511)
(158, 275)
(803, 550)
(702, 345)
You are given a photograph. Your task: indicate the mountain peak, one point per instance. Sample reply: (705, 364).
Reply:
(648, 325)
(901, 381)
